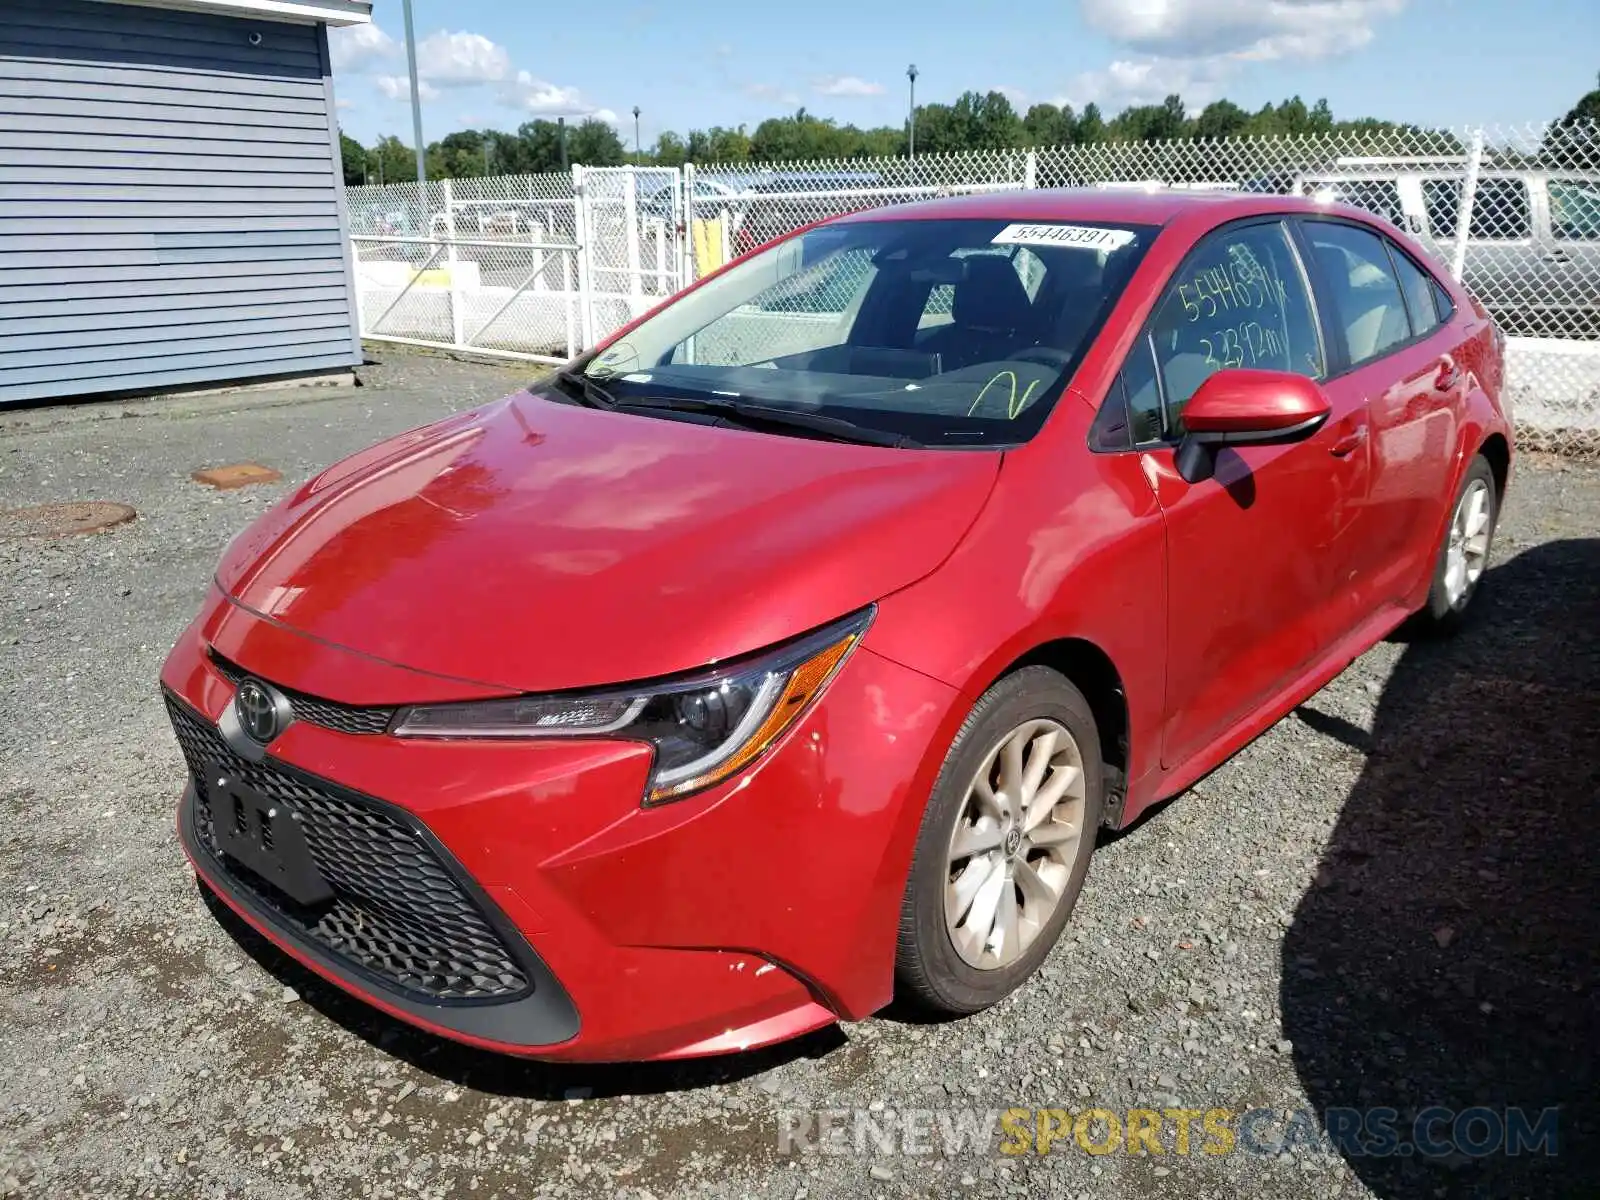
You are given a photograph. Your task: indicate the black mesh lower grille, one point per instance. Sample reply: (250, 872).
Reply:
(397, 911)
(330, 714)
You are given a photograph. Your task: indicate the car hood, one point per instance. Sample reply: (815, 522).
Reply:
(533, 546)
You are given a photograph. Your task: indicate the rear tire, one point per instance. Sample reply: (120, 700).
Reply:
(1463, 557)
(1004, 846)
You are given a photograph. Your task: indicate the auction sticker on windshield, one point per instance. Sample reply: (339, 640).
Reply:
(1090, 237)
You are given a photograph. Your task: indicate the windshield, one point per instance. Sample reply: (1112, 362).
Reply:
(951, 332)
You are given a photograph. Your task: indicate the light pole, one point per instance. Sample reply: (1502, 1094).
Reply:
(416, 97)
(911, 128)
(636, 151)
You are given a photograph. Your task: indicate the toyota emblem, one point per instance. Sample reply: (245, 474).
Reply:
(262, 712)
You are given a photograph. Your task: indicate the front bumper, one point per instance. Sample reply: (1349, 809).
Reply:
(741, 916)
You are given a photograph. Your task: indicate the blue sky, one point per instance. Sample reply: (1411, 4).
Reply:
(496, 63)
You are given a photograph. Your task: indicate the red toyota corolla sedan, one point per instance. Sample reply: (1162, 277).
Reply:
(796, 645)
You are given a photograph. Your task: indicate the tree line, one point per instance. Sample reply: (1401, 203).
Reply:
(976, 121)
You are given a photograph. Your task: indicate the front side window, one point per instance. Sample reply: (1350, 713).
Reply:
(1367, 304)
(1239, 301)
(947, 332)
(1574, 210)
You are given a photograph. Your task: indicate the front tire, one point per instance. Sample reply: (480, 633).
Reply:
(1464, 556)
(1004, 846)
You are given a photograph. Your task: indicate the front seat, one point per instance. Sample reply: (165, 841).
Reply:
(990, 316)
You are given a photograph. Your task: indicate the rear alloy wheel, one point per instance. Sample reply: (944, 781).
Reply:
(1464, 557)
(1004, 845)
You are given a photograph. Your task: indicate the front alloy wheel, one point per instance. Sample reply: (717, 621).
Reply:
(1004, 845)
(1013, 847)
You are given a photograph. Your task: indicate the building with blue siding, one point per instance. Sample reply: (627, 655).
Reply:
(171, 208)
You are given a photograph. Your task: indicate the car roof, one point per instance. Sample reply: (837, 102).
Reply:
(1136, 207)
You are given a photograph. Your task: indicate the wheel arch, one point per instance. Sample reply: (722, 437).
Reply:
(1497, 449)
(1091, 670)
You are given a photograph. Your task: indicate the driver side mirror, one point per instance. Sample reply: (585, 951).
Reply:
(1240, 406)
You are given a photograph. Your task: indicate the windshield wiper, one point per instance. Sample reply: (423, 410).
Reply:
(585, 390)
(743, 412)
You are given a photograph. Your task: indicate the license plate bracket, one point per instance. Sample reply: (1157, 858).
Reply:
(265, 837)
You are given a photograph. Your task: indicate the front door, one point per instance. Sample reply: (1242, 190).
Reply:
(1257, 556)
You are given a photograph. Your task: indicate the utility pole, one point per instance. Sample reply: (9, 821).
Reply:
(561, 136)
(911, 127)
(416, 96)
(636, 153)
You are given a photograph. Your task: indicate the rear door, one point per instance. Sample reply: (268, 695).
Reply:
(1257, 555)
(1395, 356)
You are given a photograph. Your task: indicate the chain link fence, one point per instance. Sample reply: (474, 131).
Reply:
(546, 266)
(492, 265)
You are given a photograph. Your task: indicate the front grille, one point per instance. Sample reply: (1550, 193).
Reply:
(397, 912)
(330, 714)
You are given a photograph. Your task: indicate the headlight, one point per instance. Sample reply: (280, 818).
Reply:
(703, 728)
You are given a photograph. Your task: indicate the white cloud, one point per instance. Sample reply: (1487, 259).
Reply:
(461, 59)
(398, 87)
(358, 47)
(344, 104)
(1248, 29)
(1147, 81)
(1192, 47)
(846, 85)
(541, 98)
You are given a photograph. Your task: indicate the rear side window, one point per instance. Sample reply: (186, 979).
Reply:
(1574, 210)
(1368, 308)
(1500, 211)
(1240, 300)
(1419, 288)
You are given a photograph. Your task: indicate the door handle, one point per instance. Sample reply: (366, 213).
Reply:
(1349, 443)
(1558, 255)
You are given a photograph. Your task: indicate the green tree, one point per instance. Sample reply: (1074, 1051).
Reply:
(353, 160)
(391, 161)
(460, 155)
(1047, 125)
(594, 143)
(1574, 140)
(539, 147)
(718, 145)
(1091, 125)
(670, 150)
(1151, 122)
(1221, 119)
(987, 122)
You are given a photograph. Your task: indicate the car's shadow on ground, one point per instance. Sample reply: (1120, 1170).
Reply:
(502, 1074)
(1453, 958)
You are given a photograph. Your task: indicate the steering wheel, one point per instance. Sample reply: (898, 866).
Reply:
(1047, 356)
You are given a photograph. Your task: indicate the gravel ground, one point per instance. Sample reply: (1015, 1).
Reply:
(1385, 901)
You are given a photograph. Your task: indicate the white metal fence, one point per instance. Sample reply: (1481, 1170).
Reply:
(546, 266)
